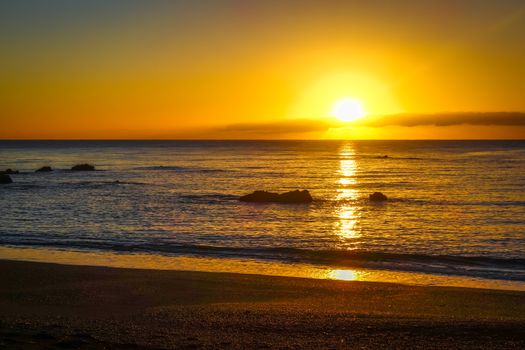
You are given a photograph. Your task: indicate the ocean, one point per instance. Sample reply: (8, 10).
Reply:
(456, 209)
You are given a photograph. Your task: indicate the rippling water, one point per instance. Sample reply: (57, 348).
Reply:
(456, 208)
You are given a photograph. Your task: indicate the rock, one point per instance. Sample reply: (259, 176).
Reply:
(45, 169)
(295, 197)
(5, 179)
(287, 197)
(260, 196)
(377, 197)
(9, 172)
(83, 167)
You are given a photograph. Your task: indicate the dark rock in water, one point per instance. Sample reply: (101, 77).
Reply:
(287, 197)
(44, 169)
(378, 197)
(9, 172)
(83, 167)
(260, 196)
(5, 179)
(295, 197)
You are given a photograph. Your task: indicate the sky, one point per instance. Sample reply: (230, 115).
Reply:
(106, 69)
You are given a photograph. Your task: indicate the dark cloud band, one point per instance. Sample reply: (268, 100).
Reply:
(442, 119)
(447, 119)
(277, 128)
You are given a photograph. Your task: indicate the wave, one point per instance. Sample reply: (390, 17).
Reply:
(101, 184)
(512, 269)
(387, 157)
(208, 198)
(458, 202)
(177, 169)
(26, 186)
(372, 156)
(492, 153)
(420, 201)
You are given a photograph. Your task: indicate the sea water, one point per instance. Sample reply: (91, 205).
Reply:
(455, 208)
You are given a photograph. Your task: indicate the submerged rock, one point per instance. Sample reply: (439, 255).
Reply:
(5, 179)
(287, 197)
(378, 197)
(260, 196)
(296, 197)
(9, 172)
(83, 167)
(44, 169)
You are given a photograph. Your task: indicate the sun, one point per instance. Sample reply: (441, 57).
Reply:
(348, 109)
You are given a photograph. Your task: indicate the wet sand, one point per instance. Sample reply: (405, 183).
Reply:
(80, 307)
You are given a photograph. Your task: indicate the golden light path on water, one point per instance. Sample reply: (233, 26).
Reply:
(163, 262)
(348, 224)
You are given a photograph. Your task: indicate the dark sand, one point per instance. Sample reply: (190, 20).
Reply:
(69, 307)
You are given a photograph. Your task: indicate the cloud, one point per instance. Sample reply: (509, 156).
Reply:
(277, 128)
(297, 126)
(446, 119)
(300, 128)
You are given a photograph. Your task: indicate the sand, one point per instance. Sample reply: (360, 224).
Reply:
(81, 307)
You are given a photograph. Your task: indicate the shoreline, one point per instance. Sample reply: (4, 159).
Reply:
(96, 307)
(248, 266)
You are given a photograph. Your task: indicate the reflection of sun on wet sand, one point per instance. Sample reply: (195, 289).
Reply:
(47, 305)
(344, 275)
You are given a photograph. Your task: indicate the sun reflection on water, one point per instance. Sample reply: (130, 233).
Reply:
(348, 213)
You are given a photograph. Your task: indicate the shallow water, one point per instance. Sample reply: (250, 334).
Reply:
(455, 208)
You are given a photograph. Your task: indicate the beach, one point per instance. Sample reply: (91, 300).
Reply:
(63, 306)
(224, 174)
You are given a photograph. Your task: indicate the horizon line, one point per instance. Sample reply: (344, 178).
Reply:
(508, 139)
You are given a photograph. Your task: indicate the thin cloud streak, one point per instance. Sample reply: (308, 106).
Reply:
(408, 120)
(446, 119)
(312, 127)
(280, 127)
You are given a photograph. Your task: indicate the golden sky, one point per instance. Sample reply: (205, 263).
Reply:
(261, 69)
